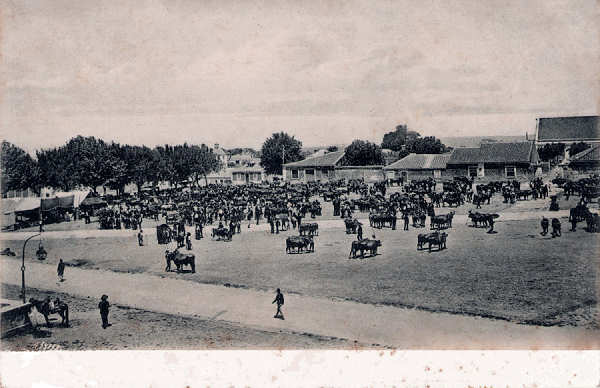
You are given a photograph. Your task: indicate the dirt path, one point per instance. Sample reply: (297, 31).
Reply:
(367, 324)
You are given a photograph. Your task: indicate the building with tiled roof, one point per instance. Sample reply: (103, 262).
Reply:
(568, 130)
(417, 167)
(495, 161)
(318, 168)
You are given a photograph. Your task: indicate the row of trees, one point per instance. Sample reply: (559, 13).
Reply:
(90, 162)
(358, 153)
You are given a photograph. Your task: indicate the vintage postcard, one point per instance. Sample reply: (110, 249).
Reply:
(299, 175)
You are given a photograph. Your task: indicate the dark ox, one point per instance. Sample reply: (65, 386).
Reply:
(435, 238)
(180, 260)
(310, 229)
(299, 244)
(364, 245)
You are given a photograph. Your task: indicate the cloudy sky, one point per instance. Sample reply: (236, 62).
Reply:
(233, 72)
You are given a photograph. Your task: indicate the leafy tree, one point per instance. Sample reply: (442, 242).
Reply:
(56, 169)
(87, 159)
(411, 135)
(332, 148)
(166, 169)
(425, 145)
(19, 170)
(271, 158)
(577, 148)
(363, 153)
(551, 151)
(116, 162)
(203, 161)
(395, 140)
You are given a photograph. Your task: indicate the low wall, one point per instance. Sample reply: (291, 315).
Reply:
(368, 173)
(13, 316)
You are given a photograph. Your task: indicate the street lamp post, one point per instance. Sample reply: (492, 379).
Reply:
(23, 267)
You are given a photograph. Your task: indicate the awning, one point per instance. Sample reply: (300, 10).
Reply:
(50, 203)
(27, 204)
(78, 196)
(93, 201)
(66, 202)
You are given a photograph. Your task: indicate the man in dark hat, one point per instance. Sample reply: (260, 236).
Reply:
(279, 300)
(104, 307)
(60, 270)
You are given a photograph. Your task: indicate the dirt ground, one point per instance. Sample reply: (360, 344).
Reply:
(138, 329)
(516, 274)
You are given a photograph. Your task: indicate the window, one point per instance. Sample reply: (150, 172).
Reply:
(511, 171)
(472, 171)
(437, 173)
(294, 174)
(310, 172)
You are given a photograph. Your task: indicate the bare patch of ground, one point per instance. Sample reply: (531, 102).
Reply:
(139, 329)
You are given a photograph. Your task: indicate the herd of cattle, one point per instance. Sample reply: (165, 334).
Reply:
(285, 207)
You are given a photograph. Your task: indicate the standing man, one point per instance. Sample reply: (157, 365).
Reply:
(272, 225)
(60, 270)
(188, 241)
(279, 301)
(141, 238)
(359, 232)
(406, 219)
(104, 306)
(545, 223)
(491, 223)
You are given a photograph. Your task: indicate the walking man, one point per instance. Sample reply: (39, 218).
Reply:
(104, 307)
(359, 232)
(279, 301)
(60, 270)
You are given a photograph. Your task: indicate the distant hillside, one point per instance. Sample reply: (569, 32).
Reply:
(475, 141)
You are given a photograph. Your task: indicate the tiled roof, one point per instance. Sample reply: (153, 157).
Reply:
(520, 152)
(327, 160)
(421, 162)
(590, 155)
(577, 128)
(464, 155)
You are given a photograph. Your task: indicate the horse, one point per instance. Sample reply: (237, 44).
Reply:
(180, 259)
(60, 308)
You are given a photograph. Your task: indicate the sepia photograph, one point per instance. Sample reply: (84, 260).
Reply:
(299, 175)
